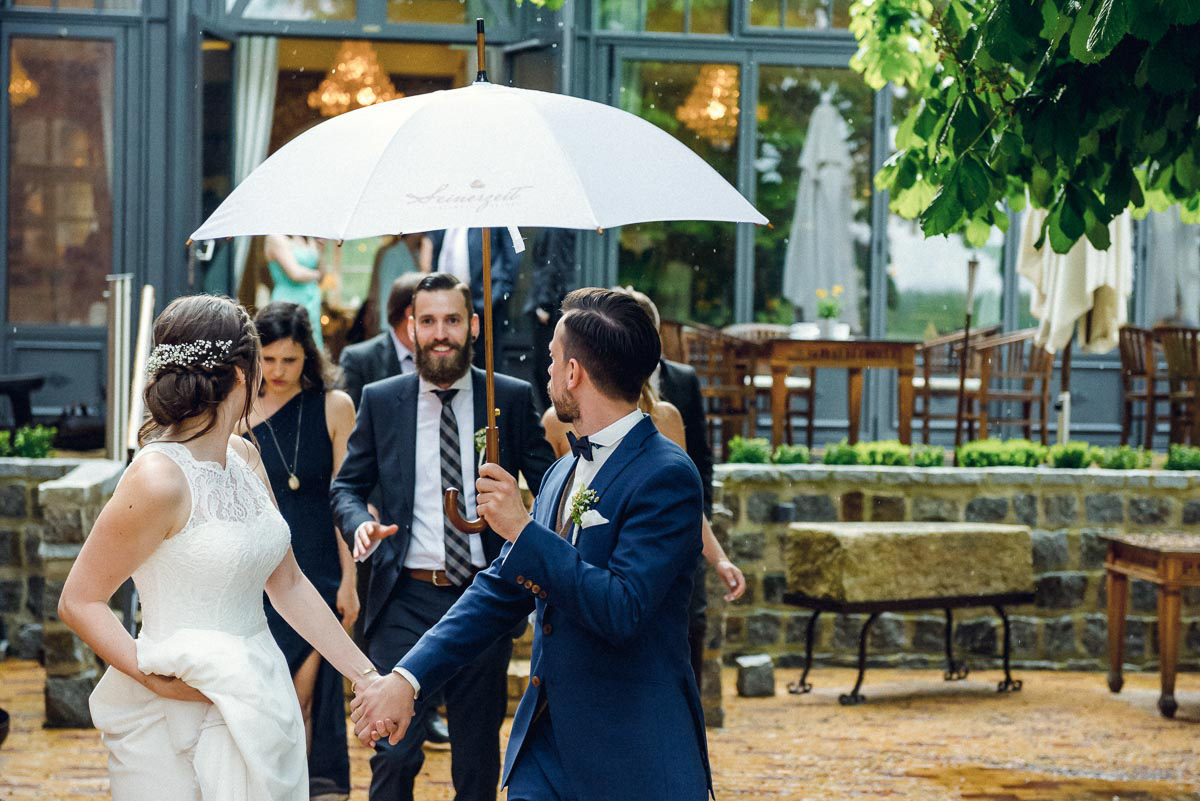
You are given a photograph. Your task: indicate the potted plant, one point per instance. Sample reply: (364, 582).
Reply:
(829, 309)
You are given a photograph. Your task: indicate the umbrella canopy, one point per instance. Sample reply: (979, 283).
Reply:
(481, 156)
(1067, 287)
(820, 249)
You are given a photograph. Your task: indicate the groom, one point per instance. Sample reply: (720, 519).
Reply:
(611, 712)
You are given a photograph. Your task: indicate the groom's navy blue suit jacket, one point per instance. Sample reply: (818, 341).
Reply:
(382, 454)
(610, 653)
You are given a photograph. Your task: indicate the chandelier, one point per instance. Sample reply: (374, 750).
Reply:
(21, 88)
(711, 110)
(355, 80)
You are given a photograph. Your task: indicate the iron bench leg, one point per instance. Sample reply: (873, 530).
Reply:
(853, 697)
(800, 687)
(955, 671)
(1009, 683)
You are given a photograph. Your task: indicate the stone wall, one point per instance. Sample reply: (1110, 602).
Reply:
(1068, 511)
(47, 507)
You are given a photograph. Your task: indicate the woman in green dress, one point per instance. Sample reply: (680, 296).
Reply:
(297, 265)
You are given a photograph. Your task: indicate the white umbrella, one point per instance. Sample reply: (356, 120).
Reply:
(481, 156)
(1085, 289)
(820, 249)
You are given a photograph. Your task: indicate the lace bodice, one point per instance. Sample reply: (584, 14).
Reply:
(211, 574)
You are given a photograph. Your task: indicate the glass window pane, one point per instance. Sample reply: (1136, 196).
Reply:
(710, 16)
(806, 14)
(444, 12)
(813, 175)
(927, 278)
(619, 15)
(765, 13)
(686, 267)
(664, 16)
(297, 9)
(60, 169)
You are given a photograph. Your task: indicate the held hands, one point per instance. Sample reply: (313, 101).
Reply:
(498, 501)
(367, 534)
(731, 577)
(382, 706)
(173, 688)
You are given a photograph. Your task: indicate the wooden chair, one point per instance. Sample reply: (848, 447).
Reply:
(669, 332)
(1181, 347)
(1014, 373)
(1139, 381)
(937, 378)
(722, 363)
(801, 384)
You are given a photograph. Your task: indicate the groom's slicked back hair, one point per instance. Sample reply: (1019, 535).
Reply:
(613, 338)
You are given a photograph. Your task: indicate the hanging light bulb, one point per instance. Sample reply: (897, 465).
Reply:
(355, 80)
(711, 110)
(21, 88)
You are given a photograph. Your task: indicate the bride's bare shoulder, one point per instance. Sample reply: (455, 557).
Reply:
(153, 479)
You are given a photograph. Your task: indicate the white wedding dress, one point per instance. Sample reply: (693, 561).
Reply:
(202, 620)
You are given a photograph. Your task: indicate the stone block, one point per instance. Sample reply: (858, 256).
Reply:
(814, 508)
(14, 499)
(1191, 513)
(977, 636)
(67, 700)
(755, 676)
(62, 647)
(33, 544)
(735, 630)
(1143, 596)
(12, 595)
(53, 590)
(26, 642)
(1137, 634)
(987, 510)
(747, 546)
(1049, 550)
(763, 629)
(1106, 508)
(1060, 638)
(35, 593)
(846, 630)
(930, 508)
(773, 586)
(710, 679)
(759, 506)
(784, 513)
(1023, 631)
(888, 508)
(1093, 548)
(852, 506)
(1095, 635)
(63, 526)
(896, 561)
(929, 634)
(1024, 507)
(751, 593)
(1149, 511)
(1191, 597)
(1059, 510)
(888, 634)
(1191, 637)
(1060, 590)
(1167, 479)
(10, 550)
(796, 629)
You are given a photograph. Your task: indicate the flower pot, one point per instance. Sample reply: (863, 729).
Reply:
(827, 326)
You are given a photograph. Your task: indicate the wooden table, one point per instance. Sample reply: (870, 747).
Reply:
(1170, 561)
(852, 354)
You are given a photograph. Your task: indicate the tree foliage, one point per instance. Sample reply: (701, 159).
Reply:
(1086, 107)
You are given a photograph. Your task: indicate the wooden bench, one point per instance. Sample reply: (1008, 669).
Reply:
(871, 568)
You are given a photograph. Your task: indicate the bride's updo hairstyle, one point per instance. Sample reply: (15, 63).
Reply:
(199, 342)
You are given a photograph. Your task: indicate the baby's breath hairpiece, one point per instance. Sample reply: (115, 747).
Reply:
(203, 352)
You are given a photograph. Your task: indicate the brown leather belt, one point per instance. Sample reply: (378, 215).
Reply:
(437, 578)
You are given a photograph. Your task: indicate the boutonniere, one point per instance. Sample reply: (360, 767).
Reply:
(480, 440)
(582, 504)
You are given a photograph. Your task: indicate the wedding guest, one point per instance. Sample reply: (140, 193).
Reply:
(302, 425)
(296, 264)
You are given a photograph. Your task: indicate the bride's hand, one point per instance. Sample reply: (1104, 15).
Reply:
(173, 688)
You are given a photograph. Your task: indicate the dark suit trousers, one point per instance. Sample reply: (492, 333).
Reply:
(476, 698)
(538, 774)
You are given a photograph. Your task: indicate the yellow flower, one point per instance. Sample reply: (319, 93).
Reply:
(837, 290)
(821, 293)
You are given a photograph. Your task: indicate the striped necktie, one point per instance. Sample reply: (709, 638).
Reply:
(458, 545)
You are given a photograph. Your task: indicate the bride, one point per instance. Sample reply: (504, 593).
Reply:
(201, 705)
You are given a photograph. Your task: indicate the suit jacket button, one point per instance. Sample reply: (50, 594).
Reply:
(535, 589)
(535, 681)
(547, 628)
(520, 579)
(542, 594)
(528, 585)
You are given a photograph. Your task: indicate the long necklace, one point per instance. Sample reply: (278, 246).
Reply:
(293, 482)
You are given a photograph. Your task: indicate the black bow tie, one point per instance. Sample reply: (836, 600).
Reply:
(581, 446)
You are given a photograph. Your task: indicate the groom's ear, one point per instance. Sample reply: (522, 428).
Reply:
(575, 373)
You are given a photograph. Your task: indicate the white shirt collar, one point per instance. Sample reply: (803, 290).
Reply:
(401, 350)
(612, 434)
(460, 384)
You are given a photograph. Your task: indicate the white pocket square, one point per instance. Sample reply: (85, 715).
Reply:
(591, 518)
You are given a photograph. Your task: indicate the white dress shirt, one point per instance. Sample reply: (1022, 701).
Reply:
(427, 545)
(604, 442)
(455, 256)
(408, 362)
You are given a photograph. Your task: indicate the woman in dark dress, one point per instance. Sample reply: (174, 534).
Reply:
(302, 425)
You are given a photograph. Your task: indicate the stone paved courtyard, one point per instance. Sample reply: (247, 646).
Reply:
(1064, 738)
